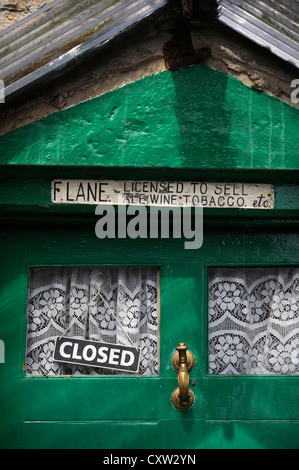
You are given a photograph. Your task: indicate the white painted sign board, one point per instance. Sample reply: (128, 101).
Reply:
(164, 193)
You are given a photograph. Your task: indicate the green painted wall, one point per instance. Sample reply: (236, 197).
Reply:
(192, 118)
(194, 123)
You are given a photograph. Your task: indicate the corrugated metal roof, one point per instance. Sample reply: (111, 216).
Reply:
(61, 33)
(64, 31)
(270, 23)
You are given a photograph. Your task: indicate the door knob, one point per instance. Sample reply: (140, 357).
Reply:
(183, 398)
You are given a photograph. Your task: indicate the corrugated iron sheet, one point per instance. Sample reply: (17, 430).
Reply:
(270, 23)
(63, 32)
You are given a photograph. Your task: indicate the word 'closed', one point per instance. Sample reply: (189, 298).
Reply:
(96, 354)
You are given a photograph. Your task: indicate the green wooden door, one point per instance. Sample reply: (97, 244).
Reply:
(230, 411)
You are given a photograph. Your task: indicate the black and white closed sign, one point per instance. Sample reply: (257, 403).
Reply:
(96, 354)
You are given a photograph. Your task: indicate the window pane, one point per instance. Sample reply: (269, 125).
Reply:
(254, 321)
(61, 302)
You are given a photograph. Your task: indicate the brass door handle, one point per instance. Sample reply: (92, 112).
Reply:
(183, 398)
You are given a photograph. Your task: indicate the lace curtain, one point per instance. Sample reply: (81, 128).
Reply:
(254, 321)
(59, 296)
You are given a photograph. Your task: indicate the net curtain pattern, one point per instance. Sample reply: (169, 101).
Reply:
(253, 317)
(61, 303)
(254, 321)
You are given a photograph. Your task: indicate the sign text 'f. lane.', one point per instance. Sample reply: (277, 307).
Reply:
(164, 193)
(96, 354)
